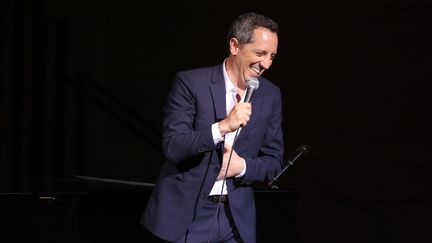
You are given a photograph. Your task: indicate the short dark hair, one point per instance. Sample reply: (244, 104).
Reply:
(243, 26)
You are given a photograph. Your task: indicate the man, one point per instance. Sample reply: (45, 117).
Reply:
(216, 145)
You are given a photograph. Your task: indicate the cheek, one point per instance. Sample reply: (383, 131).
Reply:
(252, 59)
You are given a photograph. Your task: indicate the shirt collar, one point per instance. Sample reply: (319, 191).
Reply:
(229, 87)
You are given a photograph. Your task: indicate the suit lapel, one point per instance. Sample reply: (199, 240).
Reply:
(217, 89)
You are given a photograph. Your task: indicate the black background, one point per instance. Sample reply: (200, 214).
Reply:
(83, 84)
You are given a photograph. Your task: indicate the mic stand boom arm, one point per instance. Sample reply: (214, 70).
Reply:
(304, 148)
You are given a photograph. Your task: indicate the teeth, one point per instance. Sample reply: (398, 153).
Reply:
(255, 70)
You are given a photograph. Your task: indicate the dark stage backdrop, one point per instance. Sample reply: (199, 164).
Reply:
(83, 84)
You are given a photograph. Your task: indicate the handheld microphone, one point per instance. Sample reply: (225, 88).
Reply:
(252, 85)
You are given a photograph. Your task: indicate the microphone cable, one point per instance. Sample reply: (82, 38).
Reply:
(223, 184)
(252, 85)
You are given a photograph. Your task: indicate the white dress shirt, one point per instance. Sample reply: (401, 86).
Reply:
(230, 96)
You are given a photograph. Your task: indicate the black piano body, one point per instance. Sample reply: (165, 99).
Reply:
(81, 211)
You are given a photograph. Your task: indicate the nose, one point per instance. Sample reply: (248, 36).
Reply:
(266, 62)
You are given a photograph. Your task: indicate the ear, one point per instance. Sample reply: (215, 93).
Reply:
(234, 46)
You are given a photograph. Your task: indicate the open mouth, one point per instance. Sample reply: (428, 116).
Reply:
(256, 70)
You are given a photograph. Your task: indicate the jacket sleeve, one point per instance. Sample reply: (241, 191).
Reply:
(268, 161)
(181, 139)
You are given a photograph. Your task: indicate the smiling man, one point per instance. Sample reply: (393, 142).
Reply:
(216, 145)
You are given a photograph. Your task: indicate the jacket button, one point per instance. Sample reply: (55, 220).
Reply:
(216, 169)
(203, 195)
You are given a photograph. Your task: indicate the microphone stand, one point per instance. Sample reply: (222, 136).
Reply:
(304, 148)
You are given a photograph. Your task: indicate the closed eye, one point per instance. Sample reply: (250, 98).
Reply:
(264, 53)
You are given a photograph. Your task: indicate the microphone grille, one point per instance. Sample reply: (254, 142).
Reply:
(253, 83)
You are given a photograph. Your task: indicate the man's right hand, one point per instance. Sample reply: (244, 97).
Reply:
(239, 116)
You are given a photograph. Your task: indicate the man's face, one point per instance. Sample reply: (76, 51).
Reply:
(256, 57)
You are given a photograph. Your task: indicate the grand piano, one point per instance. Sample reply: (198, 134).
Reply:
(90, 209)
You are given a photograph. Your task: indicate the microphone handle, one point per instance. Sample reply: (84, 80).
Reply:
(249, 93)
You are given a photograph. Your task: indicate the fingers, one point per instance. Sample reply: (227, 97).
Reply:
(226, 154)
(235, 166)
(239, 116)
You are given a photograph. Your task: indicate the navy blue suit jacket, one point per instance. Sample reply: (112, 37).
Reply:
(192, 160)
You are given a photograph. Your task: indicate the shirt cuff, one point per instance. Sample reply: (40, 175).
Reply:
(217, 137)
(243, 171)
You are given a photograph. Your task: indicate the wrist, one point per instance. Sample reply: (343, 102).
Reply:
(223, 128)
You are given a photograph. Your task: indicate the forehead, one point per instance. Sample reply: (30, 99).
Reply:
(264, 39)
